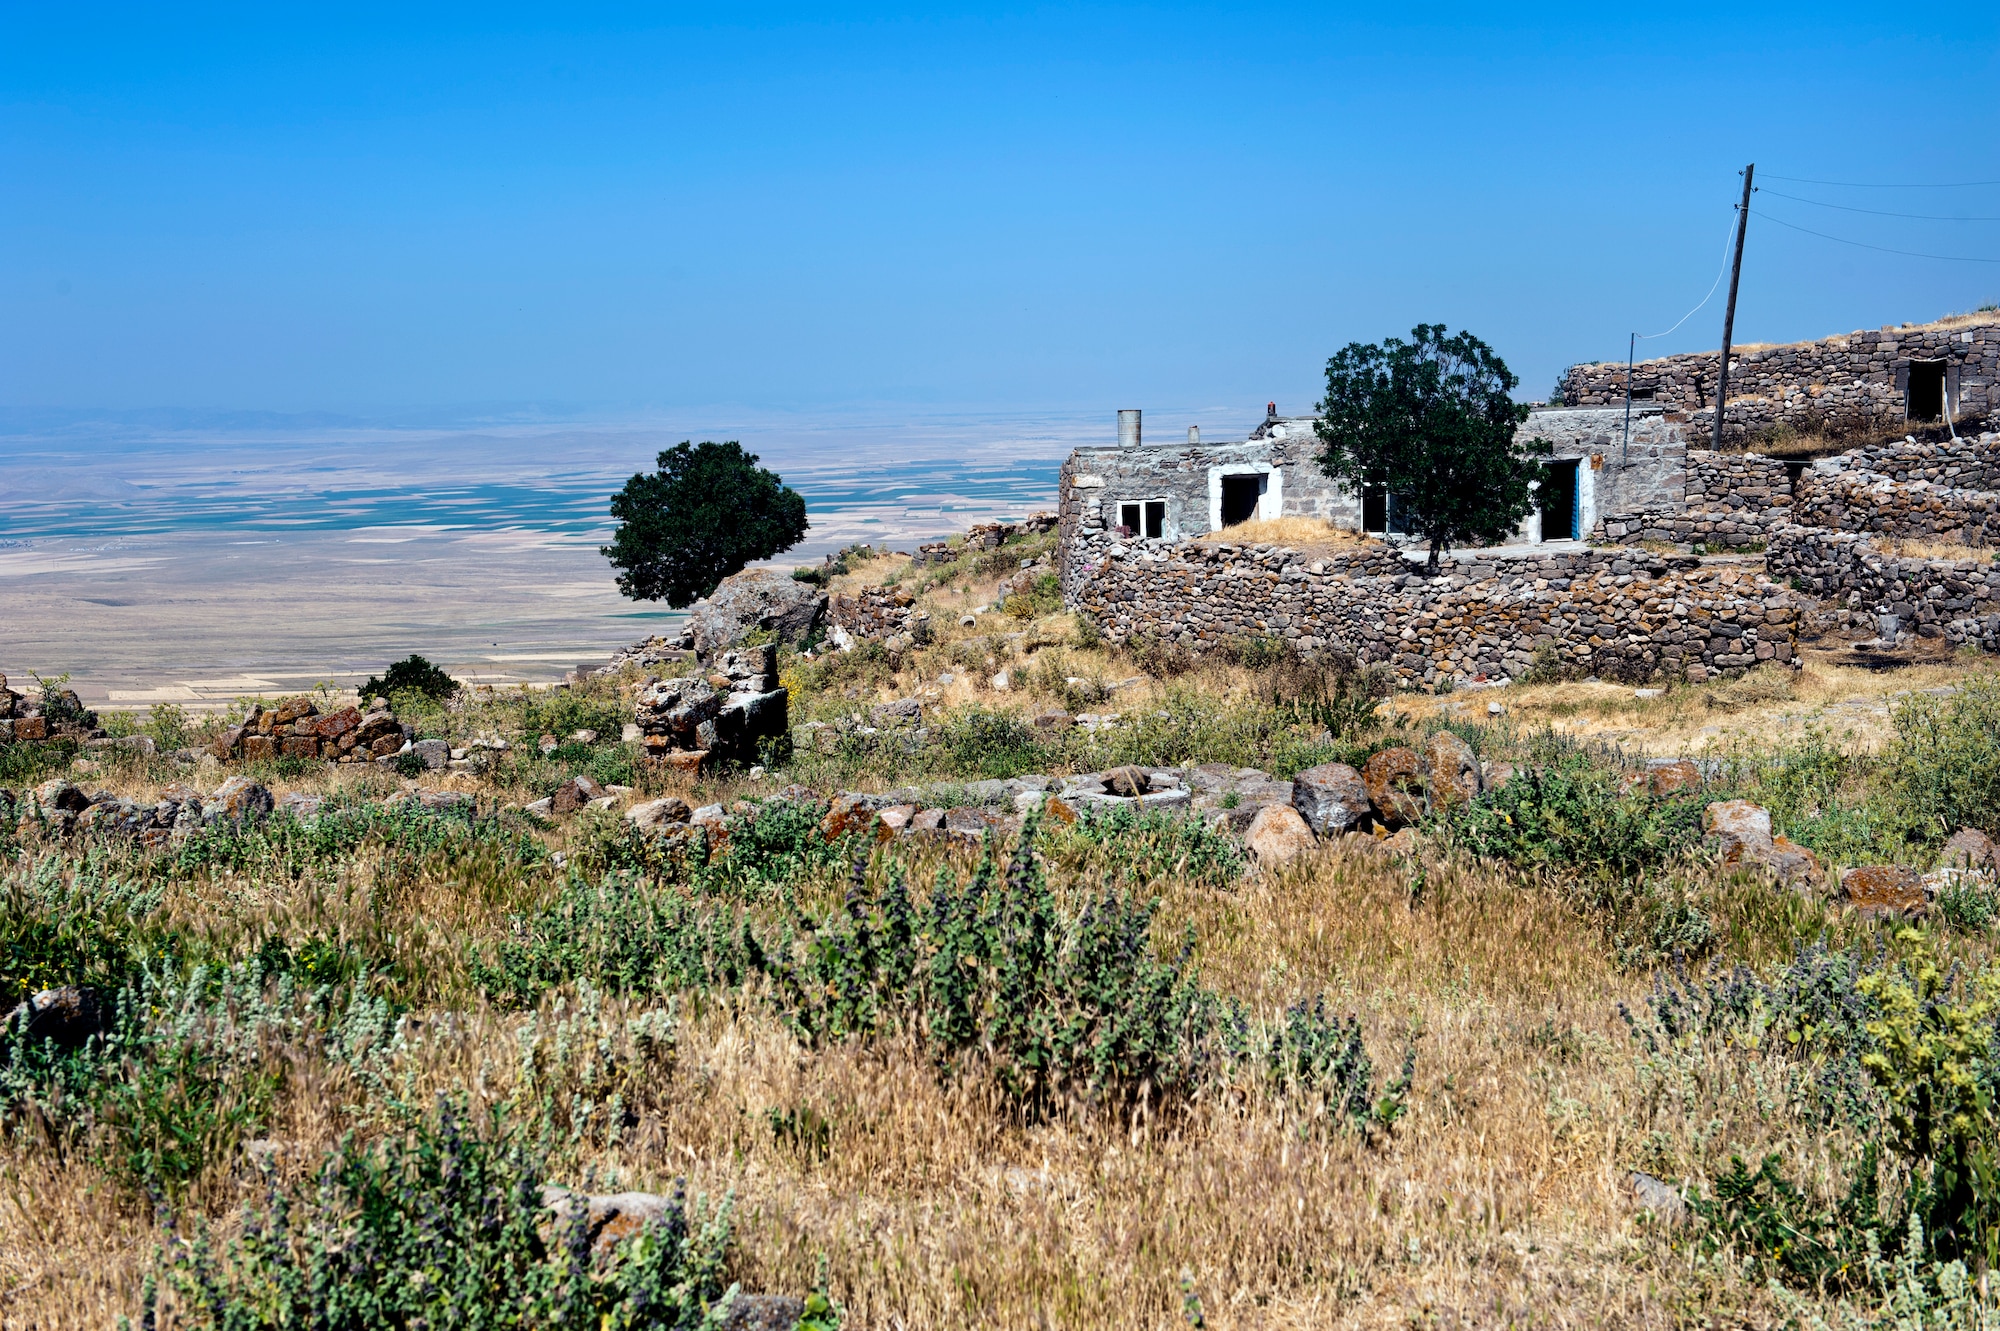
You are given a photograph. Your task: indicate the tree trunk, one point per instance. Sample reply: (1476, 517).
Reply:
(1431, 565)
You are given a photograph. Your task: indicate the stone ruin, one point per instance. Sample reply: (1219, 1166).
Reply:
(696, 721)
(296, 728)
(57, 715)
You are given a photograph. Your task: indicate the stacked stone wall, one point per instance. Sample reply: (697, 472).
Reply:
(1856, 501)
(1953, 599)
(1617, 613)
(1850, 384)
(1732, 499)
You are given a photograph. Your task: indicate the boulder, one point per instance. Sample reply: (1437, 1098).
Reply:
(1668, 776)
(896, 819)
(1278, 835)
(69, 1016)
(658, 813)
(59, 796)
(241, 798)
(757, 598)
(1742, 831)
(1453, 770)
(574, 793)
(433, 753)
(1967, 849)
(848, 813)
(762, 1312)
(1395, 781)
(1332, 798)
(1884, 889)
(672, 709)
(899, 712)
(1127, 782)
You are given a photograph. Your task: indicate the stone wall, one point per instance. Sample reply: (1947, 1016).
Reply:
(1731, 499)
(1619, 613)
(1953, 599)
(1861, 501)
(1850, 384)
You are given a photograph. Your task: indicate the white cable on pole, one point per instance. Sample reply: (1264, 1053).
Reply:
(1728, 236)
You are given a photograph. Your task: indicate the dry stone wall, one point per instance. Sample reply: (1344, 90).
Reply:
(1731, 499)
(1846, 384)
(1618, 613)
(1954, 599)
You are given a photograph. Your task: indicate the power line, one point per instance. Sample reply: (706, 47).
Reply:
(1727, 236)
(1871, 184)
(1884, 249)
(1875, 212)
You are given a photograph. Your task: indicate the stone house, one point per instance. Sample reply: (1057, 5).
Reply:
(1868, 382)
(1177, 490)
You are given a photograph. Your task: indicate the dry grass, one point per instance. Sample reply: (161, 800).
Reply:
(1910, 547)
(1306, 535)
(1501, 1194)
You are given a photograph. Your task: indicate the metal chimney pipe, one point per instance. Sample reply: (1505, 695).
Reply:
(1128, 428)
(1194, 434)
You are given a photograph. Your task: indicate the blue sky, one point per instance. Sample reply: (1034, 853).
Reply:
(831, 210)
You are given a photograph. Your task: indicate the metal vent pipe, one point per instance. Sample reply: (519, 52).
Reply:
(1128, 428)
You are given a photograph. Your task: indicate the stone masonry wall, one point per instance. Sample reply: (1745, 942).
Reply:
(1620, 613)
(1848, 384)
(1865, 502)
(1732, 499)
(1955, 599)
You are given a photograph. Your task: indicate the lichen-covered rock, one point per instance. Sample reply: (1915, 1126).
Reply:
(1967, 849)
(1453, 776)
(658, 813)
(1332, 798)
(1396, 779)
(1742, 831)
(757, 598)
(241, 799)
(1278, 835)
(1884, 889)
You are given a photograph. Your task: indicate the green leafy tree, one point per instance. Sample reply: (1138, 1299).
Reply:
(1432, 422)
(708, 511)
(411, 674)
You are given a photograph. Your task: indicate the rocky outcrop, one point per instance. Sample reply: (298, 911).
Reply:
(756, 599)
(1332, 798)
(57, 714)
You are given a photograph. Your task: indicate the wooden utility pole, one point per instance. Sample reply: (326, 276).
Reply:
(1729, 315)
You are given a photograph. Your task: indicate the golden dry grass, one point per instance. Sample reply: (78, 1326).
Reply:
(1501, 1195)
(1911, 547)
(1306, 535)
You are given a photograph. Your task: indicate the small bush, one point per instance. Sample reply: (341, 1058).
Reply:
(442, 1227)
(1944, 765)
(412, 674)
(1147, 847)
(976, 742)
(1567, 814)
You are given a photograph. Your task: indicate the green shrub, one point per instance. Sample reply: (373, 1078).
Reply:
(442, 1227)
(1143, 848)
(622, 936)
(1567, 814)
(1317, 1058)
(1042, 597)
(412, 674)
(1944, 765)
(976, 742)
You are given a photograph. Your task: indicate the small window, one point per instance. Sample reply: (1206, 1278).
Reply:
(1643, 394)
(1926, 400)
(1128, 518)
(1156, 519)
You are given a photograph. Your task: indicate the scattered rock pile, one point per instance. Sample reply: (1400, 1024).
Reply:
(58, 714)
(179, 811)
(888, 615)
(985, 536)
(295, 728)
(697, 720)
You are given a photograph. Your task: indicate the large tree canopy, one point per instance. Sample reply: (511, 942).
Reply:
(706, 512)
(1431, 421)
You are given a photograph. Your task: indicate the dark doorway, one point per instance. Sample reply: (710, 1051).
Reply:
(1926, 400)
(1240, 496)
(1558, 496)
(1156, 519)
(1374, 510)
